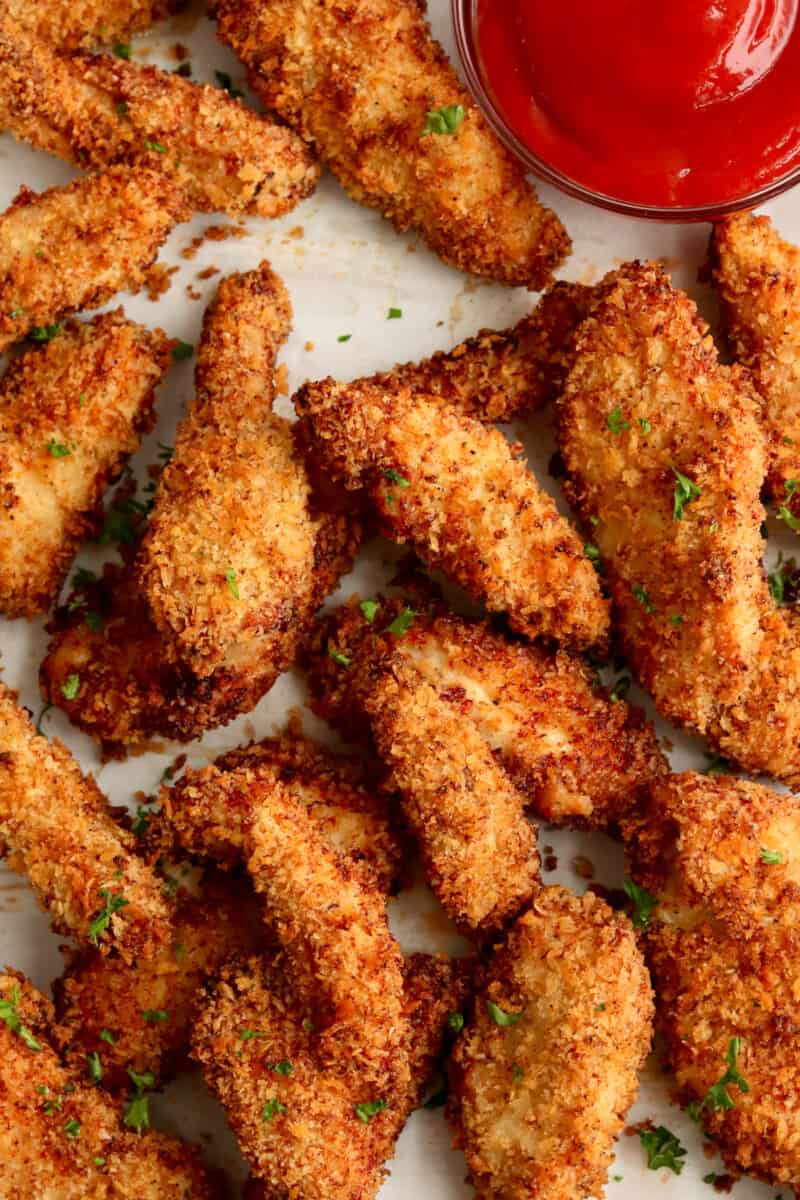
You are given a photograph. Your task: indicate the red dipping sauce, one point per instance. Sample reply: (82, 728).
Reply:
(660, 103)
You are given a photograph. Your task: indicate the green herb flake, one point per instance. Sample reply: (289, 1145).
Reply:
(271, 1109)
(395, 477)
(101, 921)
(643, 903)
(247, 1035)
(137, 1113)
(455, 1022)
(645, 426)
(94, 1066)
(233, 585)
(344, 337)
(365, 1112)
(517, 1074)
(615, 423)
(402, 623)
(9, 1014)
(158, 148)
(593, 554)
(343, 660)
(281, 1068)
(224, 80)
(71, 686)
(599, 1008)
(155, 1015)
(122, 50)
(785, 516)
(46, 333)
(394, 314)
(57, 449)
(72, 1129)
(663, 1149)
(82, 578)
(640, 594)
(718, 1098)
(107, 1036)
(718, 766)
(94, 621)
(445, 120)
(141, 823)
(41, 718)
(369, 608)
(122, 108)
(685, 492)
(676, 619)
(184, 69)
(500, 1016)
(181, 351)
(771, 858)
(99, 1162)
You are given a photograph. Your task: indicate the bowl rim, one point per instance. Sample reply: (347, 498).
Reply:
(463, 14)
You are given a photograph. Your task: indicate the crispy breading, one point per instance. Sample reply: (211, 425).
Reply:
(499, 375)
(147, 1006)
(61, 1138)
(537, 1102)
(577, 757)
(357, 78)
(293, 1113)
(646, 397)
(70, 24)
(722, 944)
(70, 415)
(55, 826)
(212, 810)
(97, 110)
(73, 247)
(757, 277)
(455, 491)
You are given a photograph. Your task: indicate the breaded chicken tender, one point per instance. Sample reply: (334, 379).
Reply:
(366, 84)
(757, 277)
(213, 810)
(61, 1138)
(722, 945)
(303, 1124)
(70, 415)
(577, 756)
(73, 247)
(98, 110)
(546, 1068)
(137, 1016)
(454, 490)
(70, 24)
(56, 828)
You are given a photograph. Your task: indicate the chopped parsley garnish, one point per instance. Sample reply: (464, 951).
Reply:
(615, 423)
(247, 1035)
(122, 108)
(343, 660)
(593, 554)
(718, 1098)
(500, 1016)
(233, 585)
(165, 452)
(643, 904)
(663, 1149)
(370, 609)
(517, 1073)
(272, 1108)
(9, 1014)
(395, 477)
(94, 1066)
(402, 623)
(140, 825)
(82, 578)
(102, 920)
(72, 1129)
(224, 80)
(118, 525)
(182, 350)
(184, 69)
(676, 619)
(599, 1008)
(137, 1114)
(645, 426)
(42, 716)
(70, 687)
(159, 148)
(620, 689)
(685, 492)
(46, 333)
(445, 120)
(122, 50)
(99, 1162)
(365, 1112)
(94, 621)
(718, 766)
(786, 516)
(344, 337)
(107, 1036)
(455, 1021)
(280, 1068)
(394, 314)
(155, 1015)
(640, 594)
(57, 449)
(771, 858)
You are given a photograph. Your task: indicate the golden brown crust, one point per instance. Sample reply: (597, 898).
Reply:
(356, 78)
(98, 110)
(577, 756)
(212, 810)
(757, 277)
(463, 501)
(70, 24)
(55, 826)
(97, 236)
(62, 1139)
(70, 415)
(537, 1105)
(148, 1006)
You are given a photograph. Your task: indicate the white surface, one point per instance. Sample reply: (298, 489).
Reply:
(344, 272)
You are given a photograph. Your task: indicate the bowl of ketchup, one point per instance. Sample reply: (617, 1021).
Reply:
(670, 109)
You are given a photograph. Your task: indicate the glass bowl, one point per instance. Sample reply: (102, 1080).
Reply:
(463, 12)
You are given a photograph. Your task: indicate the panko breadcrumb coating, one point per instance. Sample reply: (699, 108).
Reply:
(97, 110)
(357, 79)
(545, 1070)
(73, 247)
(456, 492)
(56, 828)
(722, 944)
(61, 1138)
(70, 24)
(147, 1006)
(70, 415)
(757, 277)
(212, 810)
(305, 1125)
(577, 756)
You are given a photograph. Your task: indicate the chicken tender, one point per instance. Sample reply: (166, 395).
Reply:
(98, 110)
(546, 1068)
(455, 491)
(73, 247)
(213, 810)
(115, 1016)
(722, 945)
(70, 24)
(306, 1127)
(388, 114)
(578, 756)
(55, 827)
(61, 1138)
(70, 415)
(757, 277)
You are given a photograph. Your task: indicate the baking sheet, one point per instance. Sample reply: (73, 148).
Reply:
(344, 268)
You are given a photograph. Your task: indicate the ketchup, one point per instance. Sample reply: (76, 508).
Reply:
(658, 102)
